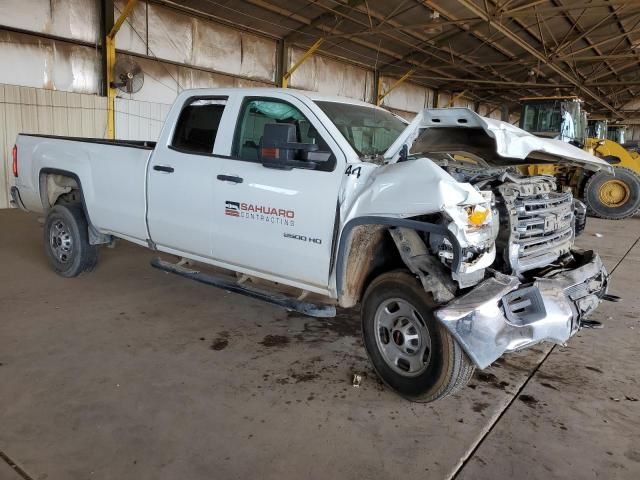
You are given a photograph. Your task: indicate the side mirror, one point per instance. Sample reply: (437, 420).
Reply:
(279, 146)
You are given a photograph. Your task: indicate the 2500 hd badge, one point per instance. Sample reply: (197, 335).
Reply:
(303, 238)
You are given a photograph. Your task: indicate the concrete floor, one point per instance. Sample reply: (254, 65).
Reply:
(129, 372)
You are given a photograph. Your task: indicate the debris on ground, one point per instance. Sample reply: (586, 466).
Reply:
(598, 235)
(357, 380)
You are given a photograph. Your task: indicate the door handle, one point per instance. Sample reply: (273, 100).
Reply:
(230, 178)
(163, 168)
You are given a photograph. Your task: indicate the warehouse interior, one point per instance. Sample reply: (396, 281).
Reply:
(132, 373)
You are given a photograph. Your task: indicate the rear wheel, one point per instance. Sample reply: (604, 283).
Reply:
(409, 349)
(66, 241)
(613, 196)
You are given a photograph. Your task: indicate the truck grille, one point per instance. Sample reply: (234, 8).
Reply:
(542, 230)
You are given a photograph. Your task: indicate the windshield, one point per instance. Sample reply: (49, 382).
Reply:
(555, 118)
(370, 131)
(616, 134)
(597, 129)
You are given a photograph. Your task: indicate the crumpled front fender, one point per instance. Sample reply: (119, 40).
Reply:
(405, 189)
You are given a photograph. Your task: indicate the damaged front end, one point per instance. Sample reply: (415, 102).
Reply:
(502, 314)
(475, 226)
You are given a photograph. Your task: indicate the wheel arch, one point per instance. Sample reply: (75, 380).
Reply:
(366, 249)
(50, 199)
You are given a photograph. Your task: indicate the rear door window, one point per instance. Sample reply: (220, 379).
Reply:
(197, 125)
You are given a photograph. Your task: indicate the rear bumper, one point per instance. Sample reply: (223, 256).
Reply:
(16, 200)
(502, 315)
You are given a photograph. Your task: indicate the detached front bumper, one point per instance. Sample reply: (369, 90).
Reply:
(502, 315)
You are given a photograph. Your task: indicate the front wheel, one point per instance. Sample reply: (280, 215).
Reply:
(409, 349)
(66, 241)
(613, 197)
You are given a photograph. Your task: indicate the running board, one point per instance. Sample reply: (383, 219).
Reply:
(611, 298)
(280, 299)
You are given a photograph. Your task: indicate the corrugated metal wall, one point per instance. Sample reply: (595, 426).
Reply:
(72, 19)
(136, 120)
(329, 76)
(44, 63)
(32, 110)
(36, 110)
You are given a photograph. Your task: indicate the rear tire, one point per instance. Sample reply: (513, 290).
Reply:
(66, 241)
(410, 350)
(613, 197)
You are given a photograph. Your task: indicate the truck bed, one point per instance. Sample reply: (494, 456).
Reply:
(104, 141)
(112, 175)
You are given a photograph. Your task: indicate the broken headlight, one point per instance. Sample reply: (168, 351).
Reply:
(474, 225)
(476, 228)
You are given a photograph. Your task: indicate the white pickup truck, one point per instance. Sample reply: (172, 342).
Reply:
(312, 202)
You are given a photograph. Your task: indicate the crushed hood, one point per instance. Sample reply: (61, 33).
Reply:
(406, 189)
(451, 130)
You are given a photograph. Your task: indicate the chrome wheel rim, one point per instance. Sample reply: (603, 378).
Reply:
(60, 241)
(402, 337)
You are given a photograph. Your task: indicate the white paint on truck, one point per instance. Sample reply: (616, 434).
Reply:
(296, 188)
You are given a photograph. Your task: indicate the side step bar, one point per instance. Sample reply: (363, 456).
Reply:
(279, 299)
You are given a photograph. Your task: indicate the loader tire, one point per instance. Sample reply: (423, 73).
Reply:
(613, 197)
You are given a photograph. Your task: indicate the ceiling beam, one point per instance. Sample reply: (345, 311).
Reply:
(408, 58)
(514, 83)
(583, 34)
(528, 9)
(472, 7)
(324, 29)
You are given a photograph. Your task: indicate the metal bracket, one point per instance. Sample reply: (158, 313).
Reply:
(392, 87)
(110, 46)
(456, 97)
(301, 60)
(433, 276)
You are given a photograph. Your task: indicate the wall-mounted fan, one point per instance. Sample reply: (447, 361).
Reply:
(128, 76)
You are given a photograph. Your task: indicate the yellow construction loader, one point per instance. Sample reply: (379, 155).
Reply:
(607, 196)
(617, 133)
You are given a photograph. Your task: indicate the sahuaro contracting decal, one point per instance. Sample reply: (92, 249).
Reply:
(260, 213)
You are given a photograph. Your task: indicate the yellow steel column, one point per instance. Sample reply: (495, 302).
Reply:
(456, 97)
(111, 92)
(392, 87)
(307, 54)
(110, 45)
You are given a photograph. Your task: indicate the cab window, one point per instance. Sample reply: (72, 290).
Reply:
(197, 125)
(256, 114)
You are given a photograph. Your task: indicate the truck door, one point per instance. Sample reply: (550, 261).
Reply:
(182, 180)
(278, 220)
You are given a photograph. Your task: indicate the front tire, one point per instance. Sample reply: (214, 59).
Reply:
(613, 197)
(66, 241)
(410, 350)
